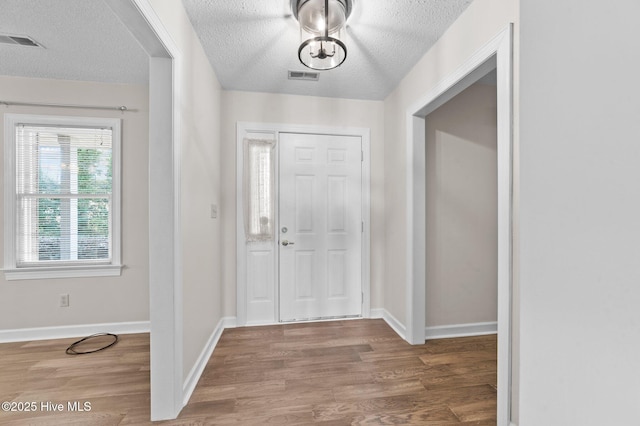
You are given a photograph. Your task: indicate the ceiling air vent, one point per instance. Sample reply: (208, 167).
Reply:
(304, 75)
(18, 40)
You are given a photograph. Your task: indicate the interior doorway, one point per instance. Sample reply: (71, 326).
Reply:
(461, 213)
(496, 53)
(165, 267)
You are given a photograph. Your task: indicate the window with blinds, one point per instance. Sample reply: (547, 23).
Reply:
(64, 203)
(63, 191)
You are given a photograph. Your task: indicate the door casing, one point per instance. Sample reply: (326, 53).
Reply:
(168, 390)
(273, 130)
(497, 54)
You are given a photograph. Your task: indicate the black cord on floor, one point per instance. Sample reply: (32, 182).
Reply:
(71, 349)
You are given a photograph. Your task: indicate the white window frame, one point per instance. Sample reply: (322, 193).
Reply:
(97, 269)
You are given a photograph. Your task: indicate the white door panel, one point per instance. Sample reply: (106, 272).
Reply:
(320, 226)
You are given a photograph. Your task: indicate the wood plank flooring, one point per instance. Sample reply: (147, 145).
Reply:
(114, 381)
(328, 374)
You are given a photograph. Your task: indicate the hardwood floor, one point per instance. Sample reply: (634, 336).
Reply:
(115, 381)
(331, 373)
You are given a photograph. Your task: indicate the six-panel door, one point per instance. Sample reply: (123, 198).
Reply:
(320, 226)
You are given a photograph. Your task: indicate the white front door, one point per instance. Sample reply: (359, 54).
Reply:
(320, 226)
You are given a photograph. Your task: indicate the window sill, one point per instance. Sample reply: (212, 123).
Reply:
(45, 272)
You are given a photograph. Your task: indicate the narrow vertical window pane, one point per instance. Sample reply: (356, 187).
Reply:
(259, 197)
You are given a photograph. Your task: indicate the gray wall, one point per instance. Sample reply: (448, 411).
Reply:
(35, 303)
(462, 212)
(579, 213)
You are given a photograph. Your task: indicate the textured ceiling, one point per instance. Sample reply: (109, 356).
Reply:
(252, 43)
(83, 40)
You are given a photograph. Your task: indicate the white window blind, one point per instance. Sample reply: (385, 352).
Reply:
(64, 179)
(259, 182)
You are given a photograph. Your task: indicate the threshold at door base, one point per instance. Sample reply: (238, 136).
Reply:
(318, 319)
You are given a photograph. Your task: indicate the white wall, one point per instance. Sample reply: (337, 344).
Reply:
(200, 178)
(580, 210)
(478, 24)
(35, 303)
(482, 20)
(461, 209)
(290, 109)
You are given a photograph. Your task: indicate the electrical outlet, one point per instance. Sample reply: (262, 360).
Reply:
(64, 300)
(214, 211)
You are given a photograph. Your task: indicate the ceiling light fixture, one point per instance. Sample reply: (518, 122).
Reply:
(321, 25)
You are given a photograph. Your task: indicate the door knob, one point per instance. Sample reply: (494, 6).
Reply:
(286, 243)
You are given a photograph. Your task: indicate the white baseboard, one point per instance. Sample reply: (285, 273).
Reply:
(198, 368)
(229, 322)
(461, 330)
(66, 331)
(376, 313)
(396, 325)
(439, 332)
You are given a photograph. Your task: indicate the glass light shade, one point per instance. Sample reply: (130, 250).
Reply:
(320, 33)
(311, 16)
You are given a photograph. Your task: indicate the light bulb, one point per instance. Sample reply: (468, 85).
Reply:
(312, 20)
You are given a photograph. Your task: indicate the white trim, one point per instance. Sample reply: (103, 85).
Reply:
(229, 322)
(241, 246)
(377, 313)
(62, 272)
(504, 66)
(242, 128)
(496, 53)
(262, 323)
(265, 323)
(461, 330)
(165, 237)
(67, 331)
(134, 17)
(396, 325)
(86, 269)
(165, 288)
(366, 219)
(201, 363)
(416, 230)
(474, 68)
(438, 332)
